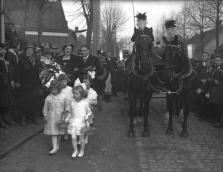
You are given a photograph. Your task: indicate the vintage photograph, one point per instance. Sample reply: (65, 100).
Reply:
(111, 85)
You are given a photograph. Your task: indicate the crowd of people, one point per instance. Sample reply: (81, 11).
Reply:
(57, 86)
(209, 93)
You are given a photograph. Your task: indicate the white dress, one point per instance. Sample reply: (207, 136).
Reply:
(92, 101)
(79, 113)
(68, 93)
(53, 108)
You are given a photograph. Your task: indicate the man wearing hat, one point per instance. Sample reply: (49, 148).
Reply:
(8, 32)
(27, 77)
(88, 62)
(142, 29)
(170, 26)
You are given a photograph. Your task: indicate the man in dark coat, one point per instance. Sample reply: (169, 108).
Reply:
(12, 57)
(110, 81)
(88, 61)
(216, 92)
(27, 78)
(205, 80)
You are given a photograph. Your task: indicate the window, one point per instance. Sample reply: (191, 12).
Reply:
(45, 45)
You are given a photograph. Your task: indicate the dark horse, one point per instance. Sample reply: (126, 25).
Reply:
(179, 77)
(140, 77)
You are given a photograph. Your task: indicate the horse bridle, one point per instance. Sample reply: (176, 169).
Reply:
(174, 52)
(139, 55)
(178, 75)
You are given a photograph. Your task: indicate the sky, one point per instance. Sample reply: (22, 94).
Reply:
(153, 8)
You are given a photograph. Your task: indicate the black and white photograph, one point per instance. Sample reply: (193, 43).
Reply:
(111, 85)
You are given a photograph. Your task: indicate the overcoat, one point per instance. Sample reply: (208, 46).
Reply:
(92, 61)
(27, 76)
(216, 92)
(111, 66)
(147, 31)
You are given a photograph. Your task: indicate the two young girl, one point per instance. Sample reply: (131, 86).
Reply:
(77, 110)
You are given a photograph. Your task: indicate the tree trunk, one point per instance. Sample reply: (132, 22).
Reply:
(217, 24)
(40, 26)
(90, 25)
(202, 42)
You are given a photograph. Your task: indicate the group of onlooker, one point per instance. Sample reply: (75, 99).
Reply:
(26, 72)
(210, 89)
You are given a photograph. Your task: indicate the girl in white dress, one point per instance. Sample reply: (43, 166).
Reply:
(67, 91)
(54, 107)
(79, 111)
(91, 99)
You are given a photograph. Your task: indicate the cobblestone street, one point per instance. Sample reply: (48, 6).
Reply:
(110, 150)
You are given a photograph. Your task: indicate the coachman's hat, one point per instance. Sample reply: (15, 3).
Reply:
(170, 23)
(141, 16)
(68, 45)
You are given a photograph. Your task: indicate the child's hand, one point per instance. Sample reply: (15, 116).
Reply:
(45, 119)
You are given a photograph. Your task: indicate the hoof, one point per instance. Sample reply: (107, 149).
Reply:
(131, 134)
(184, 134)
(169, 131)
(146, 133)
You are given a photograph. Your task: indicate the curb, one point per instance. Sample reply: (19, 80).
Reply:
(13, 148)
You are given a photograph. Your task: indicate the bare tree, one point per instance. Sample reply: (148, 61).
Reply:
(183, 20)
(42, 6)
(160, 30)
(214, 14)
(113, 20)
(199, 20)
(125, 43)
(83, 12)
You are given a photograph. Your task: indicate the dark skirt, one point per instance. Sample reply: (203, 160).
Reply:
(101, 87)
(29, 99)
(6, 98)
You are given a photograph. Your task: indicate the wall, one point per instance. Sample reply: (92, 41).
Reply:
(61, 41)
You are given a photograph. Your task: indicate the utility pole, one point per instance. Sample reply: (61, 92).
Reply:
(96, 26)
(2, 21)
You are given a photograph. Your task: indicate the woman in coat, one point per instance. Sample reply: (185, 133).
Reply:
(27, 78)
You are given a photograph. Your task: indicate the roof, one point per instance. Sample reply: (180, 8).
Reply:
(53, 18)
(208, 36)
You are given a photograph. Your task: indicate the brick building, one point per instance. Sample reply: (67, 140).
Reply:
(55, 28)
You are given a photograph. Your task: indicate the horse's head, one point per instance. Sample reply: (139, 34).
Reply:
(173, 57)
(143, 46)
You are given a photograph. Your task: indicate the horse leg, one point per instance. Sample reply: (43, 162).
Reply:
(186, 111)
(170, 108)
(140, 112)
(131, 132)
(146, 113)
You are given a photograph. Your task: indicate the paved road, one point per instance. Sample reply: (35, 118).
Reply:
(109, 150)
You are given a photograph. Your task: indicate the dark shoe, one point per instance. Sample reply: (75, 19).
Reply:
(202, 119)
